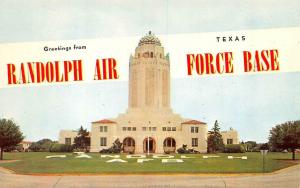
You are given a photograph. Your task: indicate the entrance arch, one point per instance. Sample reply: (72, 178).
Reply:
(128, 145)
(151, 143)
(169, 145)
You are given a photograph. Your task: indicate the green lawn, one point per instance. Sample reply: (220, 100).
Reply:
(34, 163)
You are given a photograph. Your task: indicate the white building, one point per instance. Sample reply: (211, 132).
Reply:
(230, 137)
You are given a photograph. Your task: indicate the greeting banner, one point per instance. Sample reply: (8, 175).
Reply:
(192, 55)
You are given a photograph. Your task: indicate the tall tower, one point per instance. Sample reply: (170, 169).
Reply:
(149, 77)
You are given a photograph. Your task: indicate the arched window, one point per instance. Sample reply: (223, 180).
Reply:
(151, 54)
(169, 145)
(146, 54)
(169, 142)
(128, 145)
(129, 142)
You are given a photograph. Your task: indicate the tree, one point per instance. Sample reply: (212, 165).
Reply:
(34, 147)
(214, 140)
(264, 146)
(82, 140)
(250, 145)
(10, 135)
(286, 136)
(41, 145)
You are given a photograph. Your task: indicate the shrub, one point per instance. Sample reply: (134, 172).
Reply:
(184, 150)
(234, 148)
(61, 148)
(264, 146)
(115, 148)
(41, 145)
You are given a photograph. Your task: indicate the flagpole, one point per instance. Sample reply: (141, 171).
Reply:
(148, 144)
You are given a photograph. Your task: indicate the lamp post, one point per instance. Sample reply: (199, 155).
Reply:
(264, 153)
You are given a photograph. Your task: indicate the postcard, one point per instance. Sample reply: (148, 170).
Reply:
(149, 94)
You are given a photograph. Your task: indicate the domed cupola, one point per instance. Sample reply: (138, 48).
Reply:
(149, 39)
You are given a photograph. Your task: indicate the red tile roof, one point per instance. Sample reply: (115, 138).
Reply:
(104, 121)
(193, 122)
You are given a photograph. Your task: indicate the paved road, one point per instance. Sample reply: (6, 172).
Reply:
(287, 178)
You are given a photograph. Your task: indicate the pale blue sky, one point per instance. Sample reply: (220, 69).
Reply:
(36, 20)
(250, 104)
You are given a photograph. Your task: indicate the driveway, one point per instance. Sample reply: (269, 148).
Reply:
(287, 178)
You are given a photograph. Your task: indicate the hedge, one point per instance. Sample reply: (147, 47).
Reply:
(234, 148)
(61, 148)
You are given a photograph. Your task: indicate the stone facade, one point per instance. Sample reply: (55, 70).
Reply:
(230, 137)
(67, 136)
(25, 145)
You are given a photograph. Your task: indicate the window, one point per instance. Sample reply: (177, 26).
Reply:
(229, 141)
(194, 142)
(68, 141)
(103, 128)
(151, 54)
(129, 128)
(168, 128)
(103, 141)
(144, 128)
(146, 54)
(153, 128)
(194, 129)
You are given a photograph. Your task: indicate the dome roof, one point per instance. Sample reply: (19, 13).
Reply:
(149, 39)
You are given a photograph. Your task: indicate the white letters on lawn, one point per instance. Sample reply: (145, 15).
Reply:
(78, 152)
(116, 161)
(172, 161)
(163, 156)
(209, 156)
(243, 157)
(185, 157)
(55, 156)
(83, 156)
(110, 156)
(135, 156)
(142, 160)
